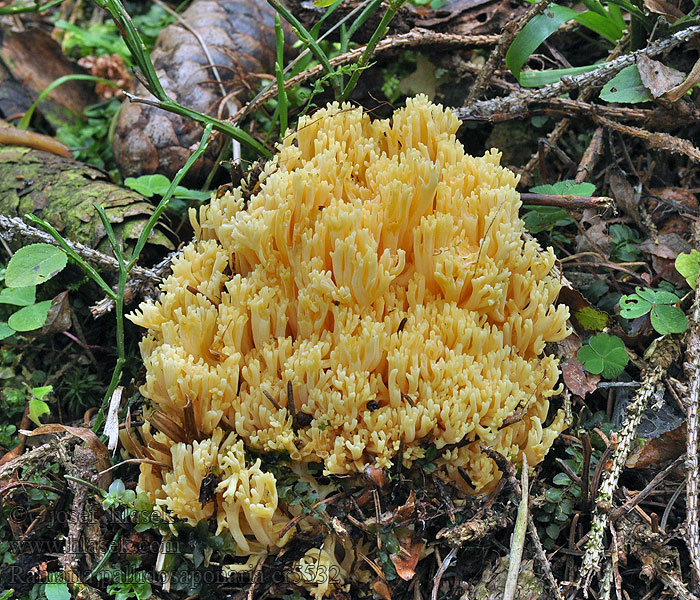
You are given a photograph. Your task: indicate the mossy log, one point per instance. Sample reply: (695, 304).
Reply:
(64, 192)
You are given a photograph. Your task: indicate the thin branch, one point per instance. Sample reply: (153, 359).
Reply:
(657, 140)
(510, 32)
(414, 38)
(567, 201)
(691, 464)
(520, 100)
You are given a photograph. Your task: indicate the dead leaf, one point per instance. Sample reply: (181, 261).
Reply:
(58, 319)
(577, 380)
(657, 77)
(668, 446)
(406, 561)
(624, 194)
(92, 442)
(665, 9)
(679, 91)
(403, 513)
(664, 253)
(376, 475)
(382, 589)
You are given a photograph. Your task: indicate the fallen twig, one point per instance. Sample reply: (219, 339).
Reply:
(141, 281)
(414, 38)
(590, 156)
(567, 201)
(691, 464)
(657, 140)
(510, 32)
(666, 352)
(518, 540)
(520, 100)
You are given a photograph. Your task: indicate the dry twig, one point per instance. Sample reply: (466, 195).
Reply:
(510, 32)
(141, 281)
(414, 38)
(665, 354)
(520, 100)
(658, 141)
(692, 367)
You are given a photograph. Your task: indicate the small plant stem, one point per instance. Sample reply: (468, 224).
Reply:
(282, 104)
(379, 33)
(518, 543)
(87, 484)
(16, 10)
(105, 558)
(308, 40)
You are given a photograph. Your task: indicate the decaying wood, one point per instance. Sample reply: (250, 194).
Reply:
(64, 193)
(142, 282)
(30, 61)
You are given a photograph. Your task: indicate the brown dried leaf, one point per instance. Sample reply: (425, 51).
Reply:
(405, 562)
(664, 253)
(679, 91)
(665, 9)
(381, 588)
(92, 442)
(657, 77)
(59, 318)
(403, 513)
(578, 381)
(624, 195)
(668, 446)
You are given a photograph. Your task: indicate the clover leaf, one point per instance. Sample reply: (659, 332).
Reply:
(688, 265)
(604, 354)
(666, 317)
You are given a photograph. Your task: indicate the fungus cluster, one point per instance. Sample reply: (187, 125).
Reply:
(375, 295)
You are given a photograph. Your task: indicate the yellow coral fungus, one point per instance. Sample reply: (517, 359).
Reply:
(379, 274)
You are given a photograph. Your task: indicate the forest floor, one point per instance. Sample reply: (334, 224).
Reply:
(595, 105)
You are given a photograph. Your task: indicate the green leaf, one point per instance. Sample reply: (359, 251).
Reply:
(688, 265)
(530, 79)
(665, 316)
(626, 88)
(57, 591)
(148, 185)
(591, 318)
(602, 25)
(323, 3)
(36, 409)
(604, 354)
(561, 479)
(668, 319)
(34, 264)
(545, 218)
(31, 317)
(566, 187)
(19, 296)
(534, 33)
(6, 331)
(553, 494)
(634, 306)
(41, 392)
(553, 531)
